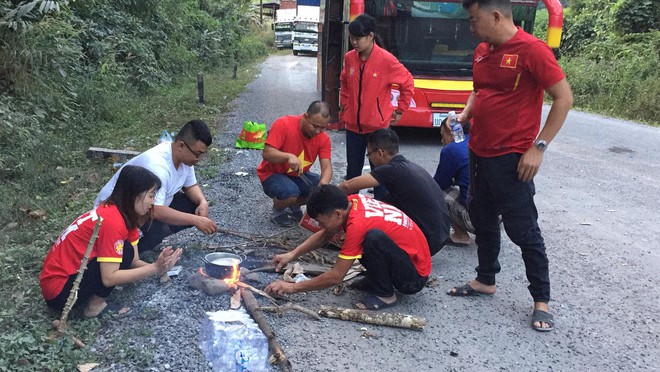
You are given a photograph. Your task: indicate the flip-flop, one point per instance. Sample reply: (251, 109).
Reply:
(372, 302)
(114, 310)
(541, 316)
(465, 291)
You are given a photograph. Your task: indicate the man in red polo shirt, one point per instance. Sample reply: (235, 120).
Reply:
(511, 71)
(293, 144)
(386, 241)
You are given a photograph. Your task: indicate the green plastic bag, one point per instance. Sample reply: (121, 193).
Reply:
(253, 136)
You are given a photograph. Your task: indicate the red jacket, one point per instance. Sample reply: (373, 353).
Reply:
(366, 90)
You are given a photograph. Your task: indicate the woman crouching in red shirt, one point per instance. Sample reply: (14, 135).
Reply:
(114, 259)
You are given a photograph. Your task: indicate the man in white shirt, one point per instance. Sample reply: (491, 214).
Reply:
(180, 202)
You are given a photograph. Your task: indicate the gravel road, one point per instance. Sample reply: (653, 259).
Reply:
(597, 195)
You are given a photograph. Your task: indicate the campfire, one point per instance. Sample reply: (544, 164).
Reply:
(235, 273)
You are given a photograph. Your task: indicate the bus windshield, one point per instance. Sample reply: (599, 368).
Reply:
(429, 38)
(283, 26)
(306, 27)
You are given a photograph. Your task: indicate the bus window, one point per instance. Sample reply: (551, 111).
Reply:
(429, 38)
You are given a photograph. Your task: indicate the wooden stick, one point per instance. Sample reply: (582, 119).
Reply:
(372, 317)
(291, 306)
(257, 291)
(73, 295)
(252, 306)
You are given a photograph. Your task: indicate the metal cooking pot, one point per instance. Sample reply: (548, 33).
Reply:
(219, 264)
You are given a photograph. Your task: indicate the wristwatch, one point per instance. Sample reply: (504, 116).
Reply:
(540, 144)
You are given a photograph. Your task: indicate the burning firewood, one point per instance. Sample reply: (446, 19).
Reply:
(206, 284)
(372, 317)
(252, 306)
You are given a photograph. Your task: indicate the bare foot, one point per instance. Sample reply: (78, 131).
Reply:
(386, 300)
(459, 236)
(94, 307)
(456, 239)
(476, 286)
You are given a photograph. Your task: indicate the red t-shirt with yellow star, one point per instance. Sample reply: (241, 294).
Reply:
(66, 254)
(368, 213)
(285, 135)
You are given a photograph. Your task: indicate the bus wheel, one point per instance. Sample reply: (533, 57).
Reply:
(295, 52)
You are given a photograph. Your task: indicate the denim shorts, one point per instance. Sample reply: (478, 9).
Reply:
(280, 186)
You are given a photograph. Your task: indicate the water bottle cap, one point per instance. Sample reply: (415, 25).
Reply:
(452, 113)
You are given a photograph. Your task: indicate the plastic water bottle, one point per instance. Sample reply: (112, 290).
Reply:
(165, 137)
(232, 341)
(456, 127)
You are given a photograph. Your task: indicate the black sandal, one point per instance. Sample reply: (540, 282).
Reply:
(541, 316)
(463, 291)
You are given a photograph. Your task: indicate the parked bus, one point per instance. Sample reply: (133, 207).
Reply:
(431, 38)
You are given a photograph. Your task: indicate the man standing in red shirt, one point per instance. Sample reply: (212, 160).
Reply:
(386, 241)
(511, 71)
(293, 144)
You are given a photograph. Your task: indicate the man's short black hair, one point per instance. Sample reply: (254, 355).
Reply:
(384, 139)
(193, 131)
(319, 107)
(504, 5)
(324, 199)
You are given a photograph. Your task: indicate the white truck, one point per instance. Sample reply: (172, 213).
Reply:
(306, 30)
(283, 27)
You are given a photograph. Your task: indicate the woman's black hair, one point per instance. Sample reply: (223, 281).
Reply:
(132, 182)
(363, 25)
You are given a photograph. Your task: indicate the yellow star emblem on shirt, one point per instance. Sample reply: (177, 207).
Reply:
(303, 162)
(375, 74)
(508, 61)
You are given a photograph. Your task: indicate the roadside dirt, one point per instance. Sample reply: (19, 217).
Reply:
(598, 212)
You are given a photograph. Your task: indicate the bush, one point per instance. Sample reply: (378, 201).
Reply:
(64, 76)
(618, 76)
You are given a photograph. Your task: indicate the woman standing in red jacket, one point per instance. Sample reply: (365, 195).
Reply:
(365, 96)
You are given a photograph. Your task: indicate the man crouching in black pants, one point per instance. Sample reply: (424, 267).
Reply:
(386, 241)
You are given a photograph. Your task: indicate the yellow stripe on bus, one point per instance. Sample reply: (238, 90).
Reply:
(460, 85)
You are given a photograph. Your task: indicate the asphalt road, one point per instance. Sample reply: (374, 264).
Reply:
(597, 195)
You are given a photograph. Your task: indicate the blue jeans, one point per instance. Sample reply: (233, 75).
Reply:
(496, 190)
(356, 149)
(281, 186)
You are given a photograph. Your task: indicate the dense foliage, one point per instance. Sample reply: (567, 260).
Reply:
(611, 52)
(67, 67)
(109, 73)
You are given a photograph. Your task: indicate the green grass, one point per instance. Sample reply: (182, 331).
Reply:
(25, 321)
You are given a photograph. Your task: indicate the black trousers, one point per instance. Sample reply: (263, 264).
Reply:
(154, 232)
(496, 190)
(388, 266)
(91, 283)
(356, 147)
